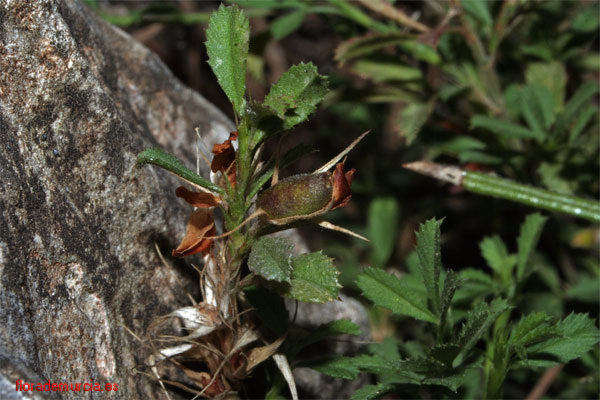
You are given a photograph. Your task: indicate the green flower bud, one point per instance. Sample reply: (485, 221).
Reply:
(297, 197)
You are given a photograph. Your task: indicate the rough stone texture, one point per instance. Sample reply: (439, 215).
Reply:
(78, 100)
(78, 221)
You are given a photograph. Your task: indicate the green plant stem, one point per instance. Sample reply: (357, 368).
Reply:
(503, 188)
(495, 186)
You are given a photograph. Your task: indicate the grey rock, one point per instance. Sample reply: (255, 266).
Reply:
(78, 100)
(78, 221)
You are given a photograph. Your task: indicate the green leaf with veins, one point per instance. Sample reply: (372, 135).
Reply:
(270, 258)
(227, 46)
(296, 95)
(314, 279)
(390, 292)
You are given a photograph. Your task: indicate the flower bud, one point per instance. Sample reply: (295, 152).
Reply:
(306, 196)
(297, 197)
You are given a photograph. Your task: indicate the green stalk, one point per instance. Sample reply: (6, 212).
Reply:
(355, 14)
(503, 188)
(495, 186)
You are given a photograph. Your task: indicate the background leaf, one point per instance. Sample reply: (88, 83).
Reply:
(575, 105)
(227, 46)
(286, 24)
(390, 292)
(504, 128)
(296, 95)
(412, 117)
(479, 10)
(527, 241)
(537, 108)
(496, 255)
(551, 75)
(383, 222)
(384, 69)
(271, 257)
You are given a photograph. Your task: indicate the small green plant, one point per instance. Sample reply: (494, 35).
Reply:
(242, 320)
(461, 310)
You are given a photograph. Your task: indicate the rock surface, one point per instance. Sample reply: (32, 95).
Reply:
(78, 221)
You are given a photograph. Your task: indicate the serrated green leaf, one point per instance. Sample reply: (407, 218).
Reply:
(451, 284)
(368, 392)
(344, 368)
(478, 322)
(579, 335)
(530, 329)
(452, 381)
(269, 307)
(383, 217)
(430, 260)
(382, 69)
(504, 128)
(426, 371)
(390, 292)
(314, 278)
(551, 75)
(286, 24)
(531, 230)
(170, 163)
(296, 95)
(575, 106)
(496, 255)
(271, 258)
(412, 118)
(227, 46)
(349, 367)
